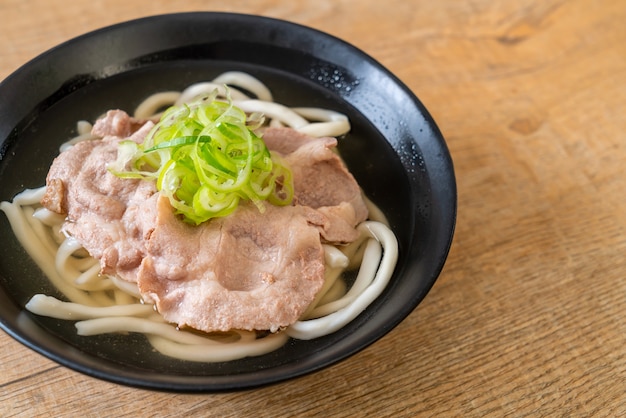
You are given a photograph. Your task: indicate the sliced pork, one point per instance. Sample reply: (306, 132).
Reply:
(117, 123)
(108, 215)
(250, 270)
(321, 181)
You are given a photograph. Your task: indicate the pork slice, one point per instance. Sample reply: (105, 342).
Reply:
(116, 123)
(323, 182)
(108, 215)
(284, 140)
(250, 270)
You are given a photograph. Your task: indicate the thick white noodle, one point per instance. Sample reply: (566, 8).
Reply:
(29, 197)
(332, 275)
(36, 249)
(46, 240)
(312, 121)
(331, 123)
(53, 307)
(373, 251)
(315, 328)
(247, 82)
(47, 217)
(126, 287)
(274, 111)
(337, 290)
(334, 257)
(224, 352)
(207, 87)
(67, 248)
(150, 108)
(111, 324)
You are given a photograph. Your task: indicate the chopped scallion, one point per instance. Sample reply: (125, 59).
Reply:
(205, 157)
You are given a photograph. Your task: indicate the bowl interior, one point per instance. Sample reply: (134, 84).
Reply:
(394, 150)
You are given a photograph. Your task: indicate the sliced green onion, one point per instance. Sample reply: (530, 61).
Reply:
(206, 157)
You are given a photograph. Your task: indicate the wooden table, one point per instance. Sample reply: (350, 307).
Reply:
(528, 317)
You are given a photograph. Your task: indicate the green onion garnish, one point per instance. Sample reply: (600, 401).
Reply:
(205, 157)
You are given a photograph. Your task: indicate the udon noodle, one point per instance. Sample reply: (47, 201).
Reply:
(104, 304)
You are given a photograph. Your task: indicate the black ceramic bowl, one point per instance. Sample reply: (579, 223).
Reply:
(394, 150)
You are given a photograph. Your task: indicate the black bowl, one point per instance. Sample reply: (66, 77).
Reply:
(395, 151)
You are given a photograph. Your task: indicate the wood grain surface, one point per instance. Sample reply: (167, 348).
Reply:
(528, 317)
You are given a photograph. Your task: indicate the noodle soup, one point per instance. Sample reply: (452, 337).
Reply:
(104, 303)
